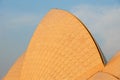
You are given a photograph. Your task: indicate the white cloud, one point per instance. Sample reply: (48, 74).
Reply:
(104, 24)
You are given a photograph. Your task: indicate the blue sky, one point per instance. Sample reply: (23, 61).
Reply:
(19, 19)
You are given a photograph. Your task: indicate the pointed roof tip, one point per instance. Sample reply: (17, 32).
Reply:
(63, 10)
(68, 12)
(55, 9)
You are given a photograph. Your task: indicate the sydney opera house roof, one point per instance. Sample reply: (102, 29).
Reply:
(62, 48)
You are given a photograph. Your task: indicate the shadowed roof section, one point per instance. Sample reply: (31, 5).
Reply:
(103, 76)
(61, 48)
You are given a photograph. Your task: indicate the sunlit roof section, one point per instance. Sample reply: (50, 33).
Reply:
(61, 48)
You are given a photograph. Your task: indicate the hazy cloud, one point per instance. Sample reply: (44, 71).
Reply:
(104, 24)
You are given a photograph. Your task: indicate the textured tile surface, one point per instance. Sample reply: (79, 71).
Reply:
(60, 49)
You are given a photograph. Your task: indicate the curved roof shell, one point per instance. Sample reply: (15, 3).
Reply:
(61, 49)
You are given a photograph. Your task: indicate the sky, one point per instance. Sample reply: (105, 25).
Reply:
(19, 19)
